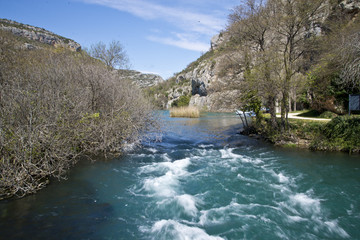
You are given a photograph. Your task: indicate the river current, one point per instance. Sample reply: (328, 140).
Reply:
(202, 181)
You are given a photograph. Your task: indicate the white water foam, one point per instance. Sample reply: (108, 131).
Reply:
(171, 229)
(188, 203)
(282, 178)
(165, 185)
(307, 204)
(334, 228)
(153, 150)
(216, 216)
(162, 186)
(227, 153)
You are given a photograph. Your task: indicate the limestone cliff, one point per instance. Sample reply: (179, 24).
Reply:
(143, 80)
(38, 35)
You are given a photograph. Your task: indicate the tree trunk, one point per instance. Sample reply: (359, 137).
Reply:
(272, 110)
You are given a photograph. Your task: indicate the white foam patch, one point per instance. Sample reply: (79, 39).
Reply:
(153, 150)
(162, 186)
(306, 203)
(166, 157)
(187, 202)
(170, 229)
(334, 228)
(245, 179)
(296, 219)
(206, 145)
(227, 153)
(165, 185)
(282, 178)
(219, 215)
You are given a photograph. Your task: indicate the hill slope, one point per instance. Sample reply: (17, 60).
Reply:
(214, 81)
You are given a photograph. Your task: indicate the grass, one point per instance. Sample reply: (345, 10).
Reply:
(185, 112)
(316, 114)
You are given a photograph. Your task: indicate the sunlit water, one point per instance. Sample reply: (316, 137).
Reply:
(203, 181)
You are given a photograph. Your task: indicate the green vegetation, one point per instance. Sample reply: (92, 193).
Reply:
(56, 105)
(182, 101)
(340, 134)
(317, 114)
(283, 68)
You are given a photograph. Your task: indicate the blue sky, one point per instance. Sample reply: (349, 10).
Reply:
(159, 36)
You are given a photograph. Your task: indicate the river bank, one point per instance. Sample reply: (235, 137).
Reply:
(339, 134)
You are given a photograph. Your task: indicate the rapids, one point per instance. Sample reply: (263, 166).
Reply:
(202, 181)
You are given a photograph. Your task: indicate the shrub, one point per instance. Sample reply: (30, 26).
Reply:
(55, 106)
(183, 101)
(328, 114)
(187, 112)
(341, 134)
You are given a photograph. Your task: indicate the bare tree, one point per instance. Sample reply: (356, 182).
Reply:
(350, 58)
(250, 26)
(289, 21)
(113, 55)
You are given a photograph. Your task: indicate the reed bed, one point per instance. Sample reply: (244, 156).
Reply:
(185, 112)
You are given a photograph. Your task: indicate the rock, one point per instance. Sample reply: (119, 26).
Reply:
(143, 80)
(216, 41)
(198, 87)
(350, 6)
(28, 46)
(38, 34)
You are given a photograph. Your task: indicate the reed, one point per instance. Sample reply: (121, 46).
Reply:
(185, 112)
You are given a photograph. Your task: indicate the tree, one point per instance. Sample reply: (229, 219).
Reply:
(250, 26)
(350, 56)
(291, 21)
(114, 55)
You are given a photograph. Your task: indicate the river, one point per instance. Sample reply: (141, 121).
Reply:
(202, 181)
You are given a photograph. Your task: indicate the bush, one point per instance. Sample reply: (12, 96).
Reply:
(341, 134)
(183, 101)
(328, 114)
(57, 106)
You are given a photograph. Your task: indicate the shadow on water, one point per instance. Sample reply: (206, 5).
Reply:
(64, 210)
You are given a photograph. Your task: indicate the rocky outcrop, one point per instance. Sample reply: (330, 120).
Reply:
(350, 6)
(209, 90)
(143, 80)
(37, 34)
(218, 39)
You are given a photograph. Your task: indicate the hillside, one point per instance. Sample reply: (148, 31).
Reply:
(33, 35)
(57, 104)
(214, 82)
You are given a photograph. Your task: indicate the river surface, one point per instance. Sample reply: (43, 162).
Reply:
(203, 181)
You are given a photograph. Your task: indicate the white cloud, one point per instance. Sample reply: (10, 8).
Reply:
(182, 41)
(184, 19)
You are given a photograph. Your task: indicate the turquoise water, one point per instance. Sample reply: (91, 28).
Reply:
(203, 181)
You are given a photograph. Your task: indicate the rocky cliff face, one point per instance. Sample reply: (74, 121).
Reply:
(209, 91)
(37, 34)
(143, 80)
(212, 87)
